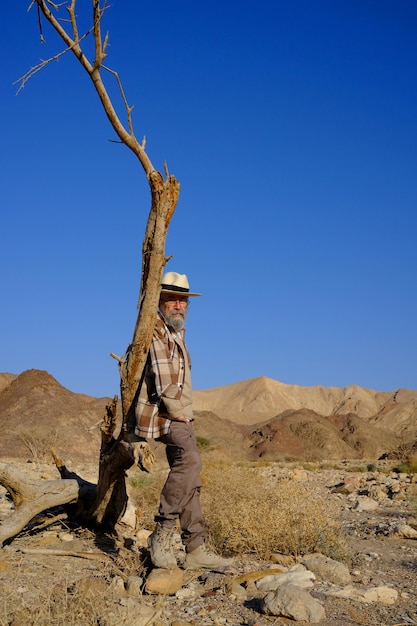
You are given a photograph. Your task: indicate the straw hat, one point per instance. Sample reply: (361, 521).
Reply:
(176, 283)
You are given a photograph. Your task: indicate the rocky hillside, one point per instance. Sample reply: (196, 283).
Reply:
(37, 413)
(244, 421)
(258, 399)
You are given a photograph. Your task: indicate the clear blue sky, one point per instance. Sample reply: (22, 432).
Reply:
(291, 127)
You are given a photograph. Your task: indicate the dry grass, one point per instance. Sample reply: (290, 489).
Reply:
(26, 599)
(251, 514)
(43, 590)
(247, 513)
(144, 491)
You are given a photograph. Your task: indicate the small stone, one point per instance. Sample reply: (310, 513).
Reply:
(186, 594)
(164, 581)
(66, 537)
(117, 585)
(237, 591)
(134, 586)
(382, 594)
(130, 516)
(406, 531)
(282, 559)
(363, 503)
(142, 537)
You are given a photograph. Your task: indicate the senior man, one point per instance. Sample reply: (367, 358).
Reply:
(164, 412)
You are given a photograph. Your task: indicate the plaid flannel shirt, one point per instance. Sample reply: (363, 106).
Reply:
(161, 397)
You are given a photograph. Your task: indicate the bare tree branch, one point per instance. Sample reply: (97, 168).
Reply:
(116, 455)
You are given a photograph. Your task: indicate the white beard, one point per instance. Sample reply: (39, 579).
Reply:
(175, 321)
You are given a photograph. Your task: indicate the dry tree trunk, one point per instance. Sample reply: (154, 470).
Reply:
(117, 455)
(105, 503)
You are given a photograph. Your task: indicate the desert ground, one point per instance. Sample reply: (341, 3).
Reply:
(349, 446)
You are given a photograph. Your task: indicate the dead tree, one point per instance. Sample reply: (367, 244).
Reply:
(116, 455)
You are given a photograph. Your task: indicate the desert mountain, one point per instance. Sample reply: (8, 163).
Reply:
(256, 418)
(259, 399)
(37, 413)
(249, 401)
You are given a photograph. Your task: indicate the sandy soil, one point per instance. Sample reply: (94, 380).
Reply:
(68, 575)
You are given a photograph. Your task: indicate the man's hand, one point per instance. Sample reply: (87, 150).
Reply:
(143, 455)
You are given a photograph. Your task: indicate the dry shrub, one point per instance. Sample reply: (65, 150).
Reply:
(248, 513)
(412, 463)
(39, 443)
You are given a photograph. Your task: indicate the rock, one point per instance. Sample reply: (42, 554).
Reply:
(377, 492)
(164, 581)
(299, 474)
(355, 481)
(383, 594)
(129, 516)
(187, 594)
(327, 569)
(282, 559)
(406, 531)
(294, 603)
(134, 586)
(48, 538)
(363, 503)
(344, 489)
(117, 587)
(142, 537)
(66, 537)
(297, 575)
(237, 591)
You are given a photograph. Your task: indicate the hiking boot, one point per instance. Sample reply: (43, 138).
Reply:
(160, 547)
(202, 558)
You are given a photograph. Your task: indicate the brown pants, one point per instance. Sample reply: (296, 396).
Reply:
(180, 496)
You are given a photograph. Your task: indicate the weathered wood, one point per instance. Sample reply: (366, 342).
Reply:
(31, 497)
(117, 456)
(105, 503)
(100, 556)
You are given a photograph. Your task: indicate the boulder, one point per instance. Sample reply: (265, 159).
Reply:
(327, 569)
(294, 603)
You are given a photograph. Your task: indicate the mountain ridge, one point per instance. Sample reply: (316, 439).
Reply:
(256, 418)
(236, 401)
